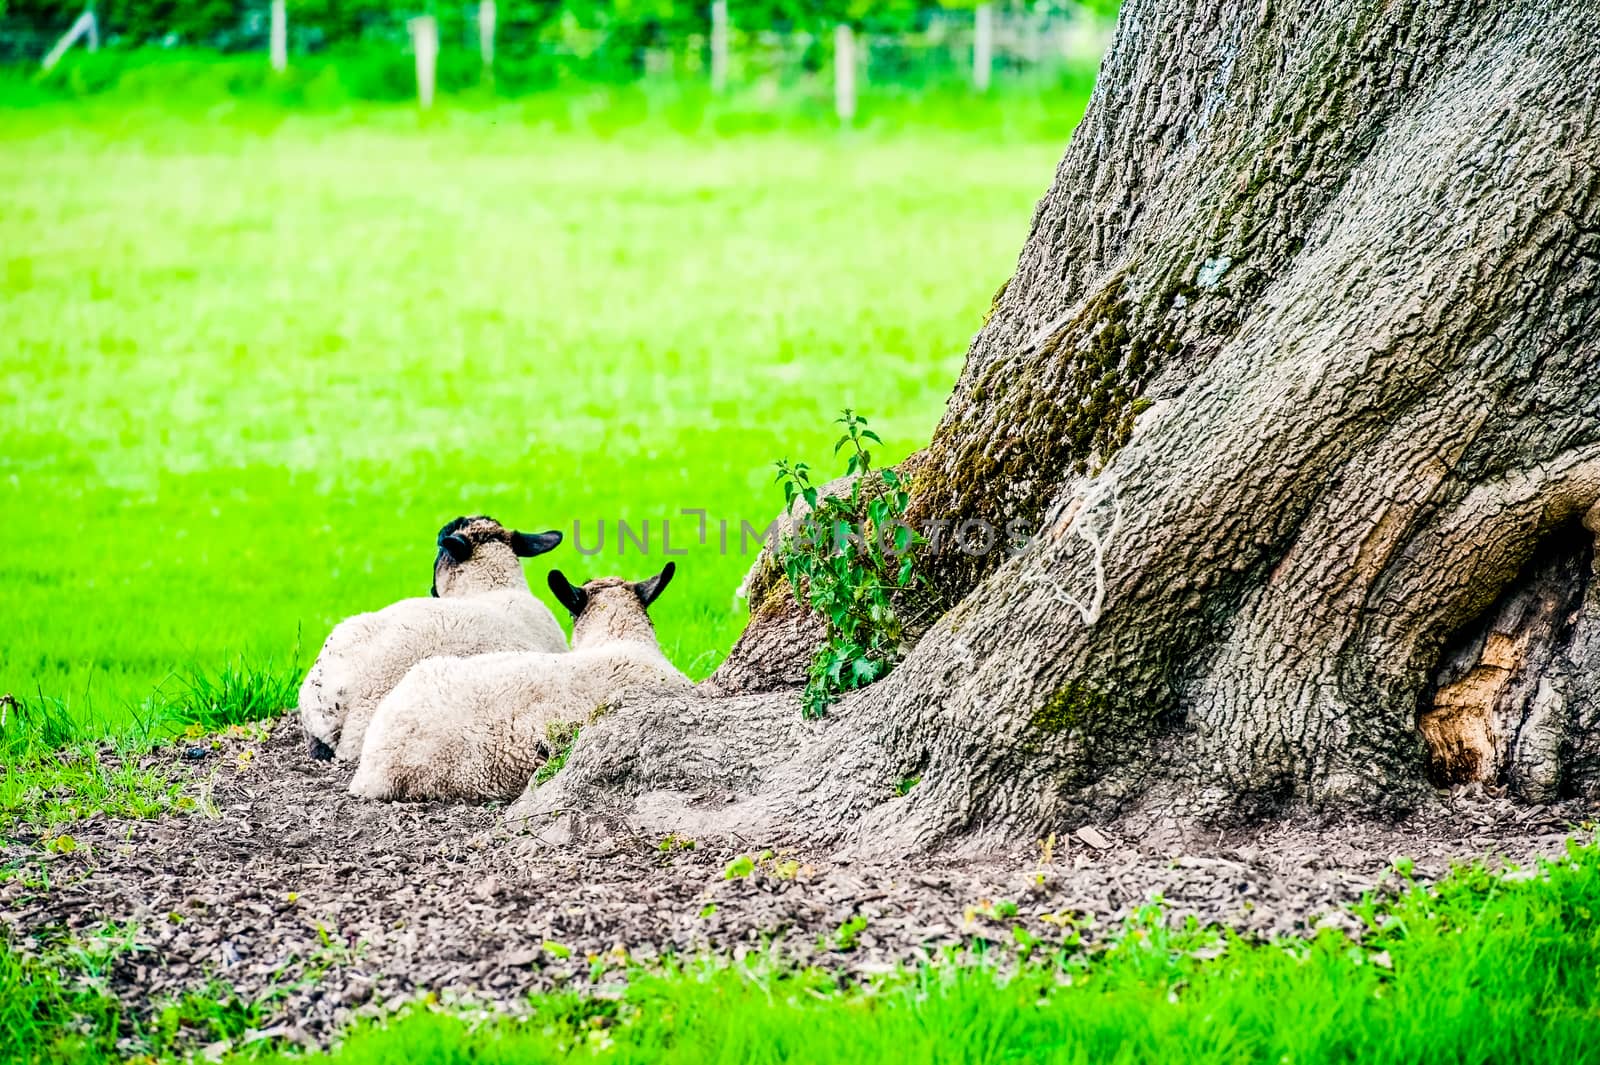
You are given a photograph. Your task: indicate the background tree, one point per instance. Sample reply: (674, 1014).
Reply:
(1306, 326)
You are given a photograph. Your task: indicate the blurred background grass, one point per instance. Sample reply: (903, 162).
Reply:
(256, 345)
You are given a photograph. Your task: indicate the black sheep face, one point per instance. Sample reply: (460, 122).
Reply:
(478, 554)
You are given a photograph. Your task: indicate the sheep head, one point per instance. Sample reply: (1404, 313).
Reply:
(478, 554)
(610, 608)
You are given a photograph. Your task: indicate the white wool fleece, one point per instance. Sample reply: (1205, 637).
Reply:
(367, 655)
(476, 728)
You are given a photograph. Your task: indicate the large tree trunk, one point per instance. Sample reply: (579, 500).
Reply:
(1299, 368)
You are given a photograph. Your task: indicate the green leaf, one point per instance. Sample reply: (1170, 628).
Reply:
(864, 671)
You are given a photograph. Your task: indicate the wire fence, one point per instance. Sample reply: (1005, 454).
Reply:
(528, 49)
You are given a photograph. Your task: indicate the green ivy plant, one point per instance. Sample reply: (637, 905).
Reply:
(846, 560)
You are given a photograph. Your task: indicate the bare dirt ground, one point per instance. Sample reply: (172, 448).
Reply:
(283, 886)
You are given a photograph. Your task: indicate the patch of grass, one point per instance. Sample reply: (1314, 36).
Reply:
(237, 693)
(217, 1014)
(56, 1005)
(1483, 968)
(49, 777)
(51, 788)
(848, 934)
(560, 738)
(29, 725)
(255, 372)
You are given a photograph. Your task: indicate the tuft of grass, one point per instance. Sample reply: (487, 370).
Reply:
(51, 775)
(238, 693)
(29, 725)
(44, 789)
(57, 1005)
(560, 738)
(848, 934)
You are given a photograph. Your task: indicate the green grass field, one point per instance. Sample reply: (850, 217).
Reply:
(252, 358)
(256, 348)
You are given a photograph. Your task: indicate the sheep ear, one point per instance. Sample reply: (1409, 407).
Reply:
(649, 591)
(526, 545)
(574, 599)
(456, 546)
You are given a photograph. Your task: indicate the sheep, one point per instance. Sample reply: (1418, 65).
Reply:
(477, 727)
(479, 602)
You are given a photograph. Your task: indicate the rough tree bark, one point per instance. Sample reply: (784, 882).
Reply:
(1304, 336)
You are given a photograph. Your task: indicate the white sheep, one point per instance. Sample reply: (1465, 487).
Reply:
(480, 603)
(479, 727)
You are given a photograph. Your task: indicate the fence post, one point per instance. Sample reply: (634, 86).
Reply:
(844, 72)
(487, 15)
(425, 43)
(982, 46)
(86, 25)
(279, 41)
(719, 45)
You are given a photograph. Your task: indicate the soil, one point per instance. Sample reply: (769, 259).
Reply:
(280, 876)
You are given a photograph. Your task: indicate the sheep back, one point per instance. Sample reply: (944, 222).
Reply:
(367, 655)
(476, 728)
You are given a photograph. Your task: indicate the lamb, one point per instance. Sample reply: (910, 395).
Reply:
(476, 728)
(480, 602)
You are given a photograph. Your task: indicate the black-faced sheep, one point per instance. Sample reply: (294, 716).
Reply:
(480, 603)
(476, 728)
